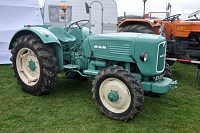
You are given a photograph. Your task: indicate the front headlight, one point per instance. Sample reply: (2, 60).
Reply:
(143, 56)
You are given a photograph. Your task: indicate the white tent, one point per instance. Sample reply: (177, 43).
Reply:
(14, 14)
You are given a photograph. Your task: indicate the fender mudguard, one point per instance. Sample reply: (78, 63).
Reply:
(46, 37)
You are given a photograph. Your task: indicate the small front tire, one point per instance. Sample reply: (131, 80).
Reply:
(117, 93)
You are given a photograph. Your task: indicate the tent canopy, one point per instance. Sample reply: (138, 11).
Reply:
(14, 15)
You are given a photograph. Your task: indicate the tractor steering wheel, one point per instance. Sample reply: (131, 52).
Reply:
(194, 14)
(172, 18)
(76, 23)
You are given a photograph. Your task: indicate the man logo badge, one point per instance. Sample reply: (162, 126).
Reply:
(99, 47)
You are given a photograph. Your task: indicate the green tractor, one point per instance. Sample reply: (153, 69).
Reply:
(122, 65)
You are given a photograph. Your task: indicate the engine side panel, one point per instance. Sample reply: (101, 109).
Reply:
(118, 46)
(128, 47)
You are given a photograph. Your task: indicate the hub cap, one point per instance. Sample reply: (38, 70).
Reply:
(115, 95)
(32, 66)
(28, 66)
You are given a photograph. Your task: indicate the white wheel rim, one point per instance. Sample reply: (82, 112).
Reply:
(113, 84)
(29, 75)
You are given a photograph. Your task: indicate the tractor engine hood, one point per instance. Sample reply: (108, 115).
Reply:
(127, 47)
(111, 45)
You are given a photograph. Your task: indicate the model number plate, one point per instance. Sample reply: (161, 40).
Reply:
(159, 77)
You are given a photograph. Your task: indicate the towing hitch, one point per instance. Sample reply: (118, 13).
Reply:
(173, 84)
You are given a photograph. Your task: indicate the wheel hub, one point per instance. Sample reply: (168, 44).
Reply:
(113, 96)
(28, 66)
(32, 66)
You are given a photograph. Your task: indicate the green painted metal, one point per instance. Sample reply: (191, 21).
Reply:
(91, 72)
(147, 85)
(127, 66)
(46, 36)
(173, 84)
(97, 63)
(80, 33)
(32, 66)
(138, 76)
(115, 46)
(155, 47)
(127, 47)
(113, 96)
(58, 52)
(86, 48)
(61, 34)
(162, 86)
(71, 66)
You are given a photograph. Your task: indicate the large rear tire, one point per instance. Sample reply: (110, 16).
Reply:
(34, 65)
(117, 93)
(137, 28)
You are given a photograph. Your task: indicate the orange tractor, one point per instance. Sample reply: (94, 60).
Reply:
(183, 36)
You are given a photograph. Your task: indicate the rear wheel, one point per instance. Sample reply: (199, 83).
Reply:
(34, 65)
(137, 28)
(117, 93)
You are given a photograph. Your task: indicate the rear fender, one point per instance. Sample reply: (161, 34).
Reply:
(154, 26)
(181, 28)
(46, 37)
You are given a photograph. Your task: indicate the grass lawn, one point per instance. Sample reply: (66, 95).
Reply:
(69, 108)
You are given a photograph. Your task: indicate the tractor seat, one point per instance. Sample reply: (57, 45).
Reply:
(61, 34)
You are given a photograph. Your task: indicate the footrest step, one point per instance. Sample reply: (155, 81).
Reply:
(71, 66)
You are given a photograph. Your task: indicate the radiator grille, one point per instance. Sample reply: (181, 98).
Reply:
(161, 56)
(119, 49)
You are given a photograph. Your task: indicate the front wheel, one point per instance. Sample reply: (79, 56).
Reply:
(34, 65)
(117, 93)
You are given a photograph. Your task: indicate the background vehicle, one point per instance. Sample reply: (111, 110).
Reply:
(183, 36)
(123, 65)
(103, 14)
